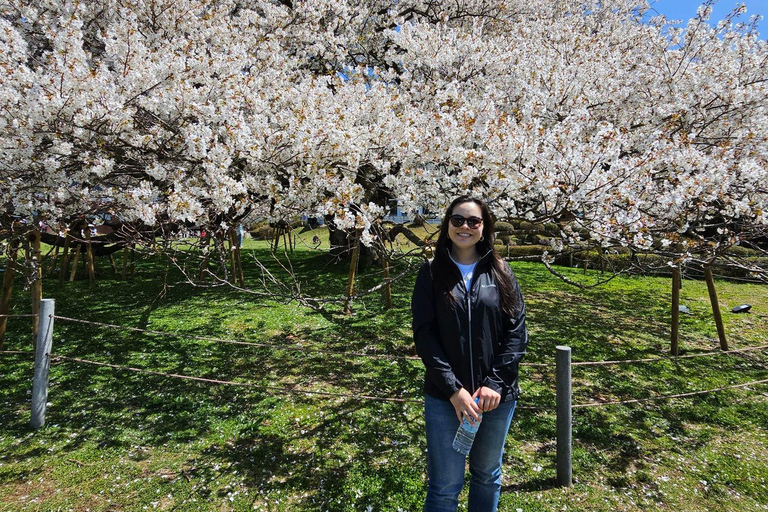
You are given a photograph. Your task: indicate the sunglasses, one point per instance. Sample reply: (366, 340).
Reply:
(472, 222)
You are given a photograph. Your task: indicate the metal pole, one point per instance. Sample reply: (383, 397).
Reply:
(564, 422)
(42, 362)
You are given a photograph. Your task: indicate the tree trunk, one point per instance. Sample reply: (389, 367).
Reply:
(342, 246)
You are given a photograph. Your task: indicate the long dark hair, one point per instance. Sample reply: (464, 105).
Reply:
(442, 271)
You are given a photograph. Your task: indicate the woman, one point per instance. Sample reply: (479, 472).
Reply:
(469, 330)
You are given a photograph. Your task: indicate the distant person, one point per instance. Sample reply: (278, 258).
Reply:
(469, 330)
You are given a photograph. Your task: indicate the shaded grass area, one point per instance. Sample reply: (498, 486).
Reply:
(121, 440)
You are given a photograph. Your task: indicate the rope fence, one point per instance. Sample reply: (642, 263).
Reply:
(668, 358)
(242, 343)
(387, 356)
(564, 403)
(17, 352)
(274, 389)
(670, 397)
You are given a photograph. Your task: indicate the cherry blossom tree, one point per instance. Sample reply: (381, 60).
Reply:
(627, 130)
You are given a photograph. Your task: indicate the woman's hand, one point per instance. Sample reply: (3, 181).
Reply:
(465, 405)
(487, 399)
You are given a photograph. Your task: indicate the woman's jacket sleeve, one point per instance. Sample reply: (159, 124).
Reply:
(514, 342)
(426, 336)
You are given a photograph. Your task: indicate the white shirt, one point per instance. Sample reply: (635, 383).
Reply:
(466, 271)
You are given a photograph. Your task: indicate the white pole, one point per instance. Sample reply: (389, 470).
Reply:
(564, 420)
(42, 362)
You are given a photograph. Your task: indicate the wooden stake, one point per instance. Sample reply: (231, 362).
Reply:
(715, 307)
(65, 259)
(54, 257)
(89, 254)
(36, 278)
(74, 263)
(206, 256)
(352, 271)
(675, 308)
(124, 275)
(5, 299)
(232, 239)
(388, 287)
(237, 260)
(112, 262)
(277, 239)
(133, 260)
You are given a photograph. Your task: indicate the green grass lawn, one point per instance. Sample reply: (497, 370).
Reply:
(123, 440)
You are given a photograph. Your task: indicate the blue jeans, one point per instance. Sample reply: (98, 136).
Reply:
(446, 466)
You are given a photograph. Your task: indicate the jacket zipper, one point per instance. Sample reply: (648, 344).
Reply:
(471, 355)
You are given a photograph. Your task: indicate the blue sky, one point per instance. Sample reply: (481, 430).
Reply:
(686, 9)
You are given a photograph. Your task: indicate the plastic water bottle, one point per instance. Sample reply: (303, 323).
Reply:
(465, 435)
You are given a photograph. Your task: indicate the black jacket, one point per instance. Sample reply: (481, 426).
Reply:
(469, 342)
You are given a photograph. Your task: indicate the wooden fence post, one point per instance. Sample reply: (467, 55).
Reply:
(5, 298)
(564, 417)
(675, 308)
(65, 259)
(352, 271)
(715, 307)
(36, 277)
(72, 274)
(387, 287)
(91, 264)
(42, 362)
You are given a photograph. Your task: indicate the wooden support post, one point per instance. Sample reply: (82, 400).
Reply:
(715, 307)
(91, 264)
(65, 259)
(387, 287)
(352, 272)
(232, 239)
(277, 239)
(74, 263)
(112, 262)
(239, 260)
(54, 258)
(124, 275)
(42, 363)
(564, 417)
(35, 278)
(675, 308)
(5, 298)
(206, 248)
(133, 260)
